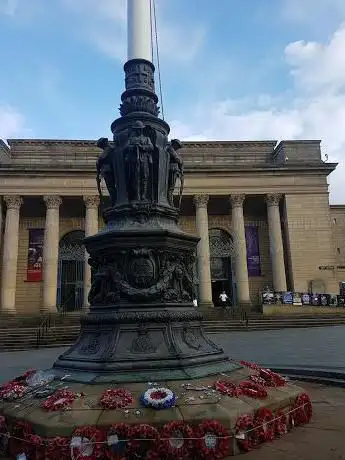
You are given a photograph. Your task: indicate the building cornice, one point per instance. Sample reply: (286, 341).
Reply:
(192, 169)
(186, 144)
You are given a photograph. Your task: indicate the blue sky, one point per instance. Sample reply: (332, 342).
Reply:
(245, 69)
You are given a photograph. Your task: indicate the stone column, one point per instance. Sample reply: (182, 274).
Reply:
(203, 251)
(10, 254)
(240, 250)
(91, 228)
(51, 251)
(276, 242)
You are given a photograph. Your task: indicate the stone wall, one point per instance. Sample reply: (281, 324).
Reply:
(338, 231)
(310, 242)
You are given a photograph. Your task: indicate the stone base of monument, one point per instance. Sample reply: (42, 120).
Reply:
(213, 417)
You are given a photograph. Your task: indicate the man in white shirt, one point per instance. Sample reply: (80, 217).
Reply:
(223, 297)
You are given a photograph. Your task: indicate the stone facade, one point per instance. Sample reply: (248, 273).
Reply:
(281, 190)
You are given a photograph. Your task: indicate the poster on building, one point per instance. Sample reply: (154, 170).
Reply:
(253, 250)
(35, 254)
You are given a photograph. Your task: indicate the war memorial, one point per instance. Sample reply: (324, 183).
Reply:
(143, 380)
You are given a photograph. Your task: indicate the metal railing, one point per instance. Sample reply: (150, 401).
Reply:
(46, 322)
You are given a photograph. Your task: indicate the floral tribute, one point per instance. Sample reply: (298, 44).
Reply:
(302, 410)
(117, 398)
(60, 400)
(158, 398)
(16, 388)
(176, 440)
(88, 443)
(213, 440)
(142, 439)
(117, 438)
(255, 386)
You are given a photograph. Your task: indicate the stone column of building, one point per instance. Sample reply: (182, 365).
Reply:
(1, 211)
(10, 253)
(91, 228)
(203, 251)
(51, 251)
(240, 250)
(276, 242)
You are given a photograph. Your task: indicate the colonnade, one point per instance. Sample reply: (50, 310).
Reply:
(51, 248)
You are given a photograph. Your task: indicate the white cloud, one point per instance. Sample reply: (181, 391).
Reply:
(103, 22)
(11, 122)
(318, 66)
(313, 109)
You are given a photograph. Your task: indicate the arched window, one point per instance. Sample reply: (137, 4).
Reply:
(221, 244)
(70, 293)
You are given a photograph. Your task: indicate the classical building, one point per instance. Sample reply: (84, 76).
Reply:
(261, 211)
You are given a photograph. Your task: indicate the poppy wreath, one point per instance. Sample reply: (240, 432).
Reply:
(250, 365)
(259, 380)
(281, 423)
(58, 449)
(177, 440)
(17, 444)
(272, 379)
(227, 388)
(302, 410)
(12, 390)
(35, 447)
(253, 390)
(245, 433)
(264, 422)
(142, 439)
(117, 437)
(60, 400)
(213, 440)
(117, 398)
(88, 443)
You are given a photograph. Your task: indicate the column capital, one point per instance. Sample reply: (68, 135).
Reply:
(52, 201)
(201, 201)
(13, 201)
(91, 201)
(237, 200)
(273, 199)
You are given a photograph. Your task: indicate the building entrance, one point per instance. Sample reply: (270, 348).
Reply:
(70, 294)
(221, 248)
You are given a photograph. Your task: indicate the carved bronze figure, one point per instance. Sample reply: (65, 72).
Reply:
(138, 159)
(175, 170)
(105, 170)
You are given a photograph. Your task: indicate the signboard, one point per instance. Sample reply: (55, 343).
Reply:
(253, 250)
(35, 255)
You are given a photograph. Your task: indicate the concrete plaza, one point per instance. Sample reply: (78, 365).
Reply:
(313, 347)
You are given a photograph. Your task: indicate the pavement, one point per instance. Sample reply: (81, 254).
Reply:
(322, 347)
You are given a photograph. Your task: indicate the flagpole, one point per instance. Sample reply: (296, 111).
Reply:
(139, 40)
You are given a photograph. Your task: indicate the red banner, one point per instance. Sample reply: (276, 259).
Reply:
(35, 254)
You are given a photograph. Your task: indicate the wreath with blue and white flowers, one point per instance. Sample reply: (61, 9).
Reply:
(158, 398)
